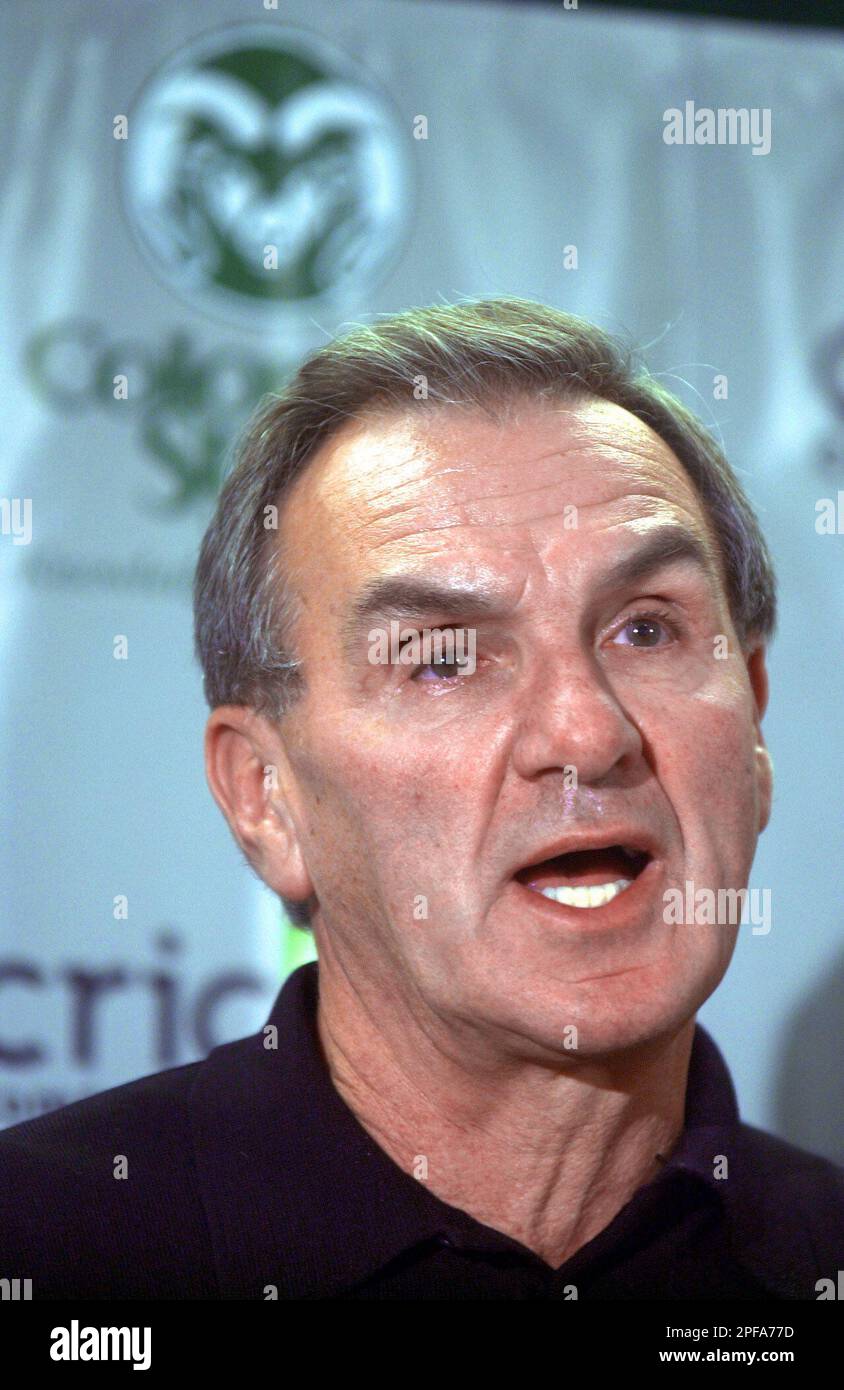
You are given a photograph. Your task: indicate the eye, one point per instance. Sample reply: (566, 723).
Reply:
(442, 671)
(647, 631)
(442, 656)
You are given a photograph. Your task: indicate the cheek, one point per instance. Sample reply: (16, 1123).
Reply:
(704, 759)
(397, 844)
(706, 737)
(389, 801)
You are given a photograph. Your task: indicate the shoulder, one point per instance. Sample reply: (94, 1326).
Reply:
(101, 1198)
(788, 1207)
(785, 1169)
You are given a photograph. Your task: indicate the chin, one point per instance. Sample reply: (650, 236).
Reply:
(600, 1037)
(625, 1011)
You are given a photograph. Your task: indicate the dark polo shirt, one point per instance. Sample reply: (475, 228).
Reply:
(248, 1174)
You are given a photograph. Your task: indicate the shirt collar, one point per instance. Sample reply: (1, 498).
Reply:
(299, 1196)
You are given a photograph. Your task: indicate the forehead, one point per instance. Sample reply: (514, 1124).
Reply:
(453, 487)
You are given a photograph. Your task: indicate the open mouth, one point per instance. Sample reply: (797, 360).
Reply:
(586, 878)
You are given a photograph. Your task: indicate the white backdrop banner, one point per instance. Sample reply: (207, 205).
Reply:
(193, 196)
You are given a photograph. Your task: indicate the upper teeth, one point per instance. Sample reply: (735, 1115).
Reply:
(587, 897)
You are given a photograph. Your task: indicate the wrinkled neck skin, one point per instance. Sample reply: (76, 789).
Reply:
(541, 1147)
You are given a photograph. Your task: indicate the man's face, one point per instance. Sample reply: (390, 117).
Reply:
(418, 796)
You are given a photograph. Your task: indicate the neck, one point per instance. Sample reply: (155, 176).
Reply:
(544, 1148)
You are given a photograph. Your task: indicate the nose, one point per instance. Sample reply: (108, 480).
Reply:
(571, 717)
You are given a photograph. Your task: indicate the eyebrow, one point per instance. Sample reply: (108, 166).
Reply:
(405, 597)
(668, 544)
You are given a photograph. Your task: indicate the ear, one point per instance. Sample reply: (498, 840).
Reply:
(253, 785)
(758, 674)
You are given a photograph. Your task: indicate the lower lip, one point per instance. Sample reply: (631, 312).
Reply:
(624, 910)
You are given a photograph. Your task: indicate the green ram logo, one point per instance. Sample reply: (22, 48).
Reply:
(262, 178)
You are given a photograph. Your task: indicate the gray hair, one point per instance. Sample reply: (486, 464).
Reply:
(483, 354)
